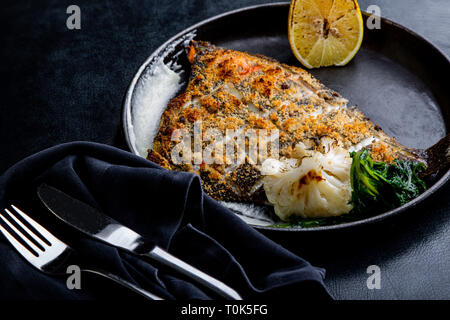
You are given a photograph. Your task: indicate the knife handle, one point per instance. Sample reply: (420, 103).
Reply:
(168, 260)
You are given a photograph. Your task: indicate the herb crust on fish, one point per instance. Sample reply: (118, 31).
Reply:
(233, 90)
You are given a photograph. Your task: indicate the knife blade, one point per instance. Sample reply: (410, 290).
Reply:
(96, 224)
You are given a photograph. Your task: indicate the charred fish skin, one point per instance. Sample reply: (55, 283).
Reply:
(437, 157)
(233, 90)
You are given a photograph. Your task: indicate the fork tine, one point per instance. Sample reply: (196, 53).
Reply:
(27, 230)
(46, 234)
(54, 260)
(20, 247)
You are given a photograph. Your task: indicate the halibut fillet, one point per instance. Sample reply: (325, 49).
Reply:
(232, 90)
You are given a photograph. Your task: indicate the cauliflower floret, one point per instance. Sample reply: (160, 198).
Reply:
(312, 185)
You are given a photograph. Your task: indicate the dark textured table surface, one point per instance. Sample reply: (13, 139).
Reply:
(61, 85)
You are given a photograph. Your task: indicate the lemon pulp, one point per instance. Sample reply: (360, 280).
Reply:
(325, 32)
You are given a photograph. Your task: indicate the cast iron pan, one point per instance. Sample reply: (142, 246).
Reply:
(398, 79)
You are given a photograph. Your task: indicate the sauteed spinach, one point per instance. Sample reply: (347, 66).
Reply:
(382, 185)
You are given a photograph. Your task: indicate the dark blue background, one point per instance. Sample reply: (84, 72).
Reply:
(60, 85)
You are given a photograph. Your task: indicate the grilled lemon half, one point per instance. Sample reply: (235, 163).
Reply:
(325, 32)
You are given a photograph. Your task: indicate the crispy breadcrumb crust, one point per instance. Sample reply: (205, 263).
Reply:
(235, 90)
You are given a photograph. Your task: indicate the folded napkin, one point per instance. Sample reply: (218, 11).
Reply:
(164, 206)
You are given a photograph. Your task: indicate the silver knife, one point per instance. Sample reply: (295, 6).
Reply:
(99, 226)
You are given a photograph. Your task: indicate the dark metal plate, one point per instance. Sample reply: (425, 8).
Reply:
(398, 78)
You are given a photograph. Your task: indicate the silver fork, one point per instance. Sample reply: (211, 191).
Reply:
(51, 254)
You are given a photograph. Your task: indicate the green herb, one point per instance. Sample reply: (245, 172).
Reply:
(297, 222)
(376, 187)
(301, 222)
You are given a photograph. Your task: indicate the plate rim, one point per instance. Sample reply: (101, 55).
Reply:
(126, 118)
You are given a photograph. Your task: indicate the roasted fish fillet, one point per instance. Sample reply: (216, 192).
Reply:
(240, 92)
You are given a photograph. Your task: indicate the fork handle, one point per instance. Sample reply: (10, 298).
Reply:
(124, 283)
(168, 260)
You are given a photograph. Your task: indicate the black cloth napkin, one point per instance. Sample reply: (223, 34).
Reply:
(166, 207)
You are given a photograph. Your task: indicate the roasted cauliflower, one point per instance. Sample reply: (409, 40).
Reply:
(312, 184)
